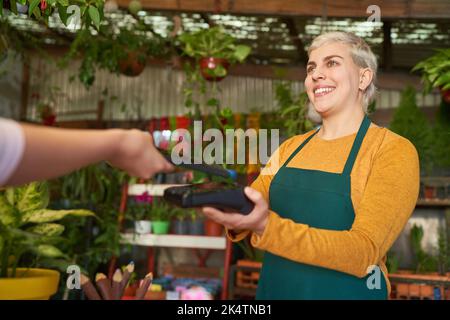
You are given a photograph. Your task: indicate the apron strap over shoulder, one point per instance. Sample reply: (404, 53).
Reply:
(299, 148)
(356, 145)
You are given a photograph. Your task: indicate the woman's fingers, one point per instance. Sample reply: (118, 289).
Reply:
(228, 220)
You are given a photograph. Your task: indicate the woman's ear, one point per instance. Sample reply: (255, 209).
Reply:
(365, 78)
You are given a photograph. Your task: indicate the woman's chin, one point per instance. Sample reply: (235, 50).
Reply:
(322, 109)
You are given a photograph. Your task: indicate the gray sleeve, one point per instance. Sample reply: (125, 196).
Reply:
(12, 146)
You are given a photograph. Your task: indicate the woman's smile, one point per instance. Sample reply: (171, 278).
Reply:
(321, 91)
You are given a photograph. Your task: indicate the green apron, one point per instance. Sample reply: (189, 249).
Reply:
(321, 200)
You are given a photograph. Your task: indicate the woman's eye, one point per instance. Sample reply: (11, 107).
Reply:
(331, 63)
(310, 69)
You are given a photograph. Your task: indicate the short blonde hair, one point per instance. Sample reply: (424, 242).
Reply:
(361, 53)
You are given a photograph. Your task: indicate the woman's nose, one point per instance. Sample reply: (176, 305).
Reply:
(317, 74)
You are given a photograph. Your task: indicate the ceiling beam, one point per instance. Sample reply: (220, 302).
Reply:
(390, 9)
(393, 80)
(296, 40)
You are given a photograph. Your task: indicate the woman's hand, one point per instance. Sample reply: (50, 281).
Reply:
(255, 221)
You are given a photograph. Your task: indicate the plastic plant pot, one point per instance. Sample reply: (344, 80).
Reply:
(160, 227)
(180, 227)
(196, 227)
(143, 226)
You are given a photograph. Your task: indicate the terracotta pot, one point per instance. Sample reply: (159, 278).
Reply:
(49, 120)
(430, 192)
(132, 66)
(445, 94)
(246, 278)
(130, 291)
(213, 229)
(207, 65)
(415, 290)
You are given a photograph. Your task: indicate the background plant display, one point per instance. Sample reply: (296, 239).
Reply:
(29, 235)
(91, 11)
(436, 73)
(117, 50)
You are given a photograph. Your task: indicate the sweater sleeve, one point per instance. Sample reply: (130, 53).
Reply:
(378, 222)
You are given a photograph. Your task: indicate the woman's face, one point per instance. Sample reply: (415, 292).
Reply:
(332, 78)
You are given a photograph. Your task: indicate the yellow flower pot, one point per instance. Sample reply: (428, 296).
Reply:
(30, 284)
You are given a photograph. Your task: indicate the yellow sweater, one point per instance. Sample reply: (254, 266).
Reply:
(384, 190)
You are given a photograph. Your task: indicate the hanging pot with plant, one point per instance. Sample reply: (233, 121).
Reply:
(47, 114)
(436, 73)
(214, 51)
(133, 64)
(214, 69)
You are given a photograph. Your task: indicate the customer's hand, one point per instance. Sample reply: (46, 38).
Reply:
(137, 155)
(255, 221)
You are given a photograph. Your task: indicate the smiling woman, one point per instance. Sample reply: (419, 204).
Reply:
(326, 216)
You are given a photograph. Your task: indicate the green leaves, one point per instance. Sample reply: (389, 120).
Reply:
(8, 215)
(94, 15)
(213, 42)
(33, 6)
(45, 215)
(241, 52)
(49, 251)
(29, 197)
(62, 11)
(435, 70)
(47, 229)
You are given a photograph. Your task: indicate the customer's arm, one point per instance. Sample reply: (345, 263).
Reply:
(51, 152)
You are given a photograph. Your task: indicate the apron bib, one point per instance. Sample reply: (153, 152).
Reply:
(321, 200)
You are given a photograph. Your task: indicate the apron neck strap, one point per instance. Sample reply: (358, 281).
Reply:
(356, 145)
(300, 147)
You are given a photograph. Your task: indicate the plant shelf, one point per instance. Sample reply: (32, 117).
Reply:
(175, 241)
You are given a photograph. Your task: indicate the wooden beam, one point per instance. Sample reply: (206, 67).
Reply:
(387, 45)
(393, 80)
(294, 35)
(392, 9)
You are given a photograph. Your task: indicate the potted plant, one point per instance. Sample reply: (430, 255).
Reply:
(91, 12)
(124, 52)
(180, 223)
(213, 229)
(161, 214)
(293, 109)
(214, 51)
(410, 122)
(436, 73)
(196, 225)
(47, 114)
(425, 268)
(28, 237)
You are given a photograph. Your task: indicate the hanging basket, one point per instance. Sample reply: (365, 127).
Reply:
(210, 66)
(132, 65)
(445, 94)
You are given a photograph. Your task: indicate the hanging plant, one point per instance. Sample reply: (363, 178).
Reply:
(90, 11)
(117, 50)
(214, 51)
(436, 73)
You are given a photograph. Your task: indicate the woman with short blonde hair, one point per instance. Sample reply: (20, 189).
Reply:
(330, 211)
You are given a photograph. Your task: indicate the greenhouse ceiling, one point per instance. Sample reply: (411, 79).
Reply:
(278, 40)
